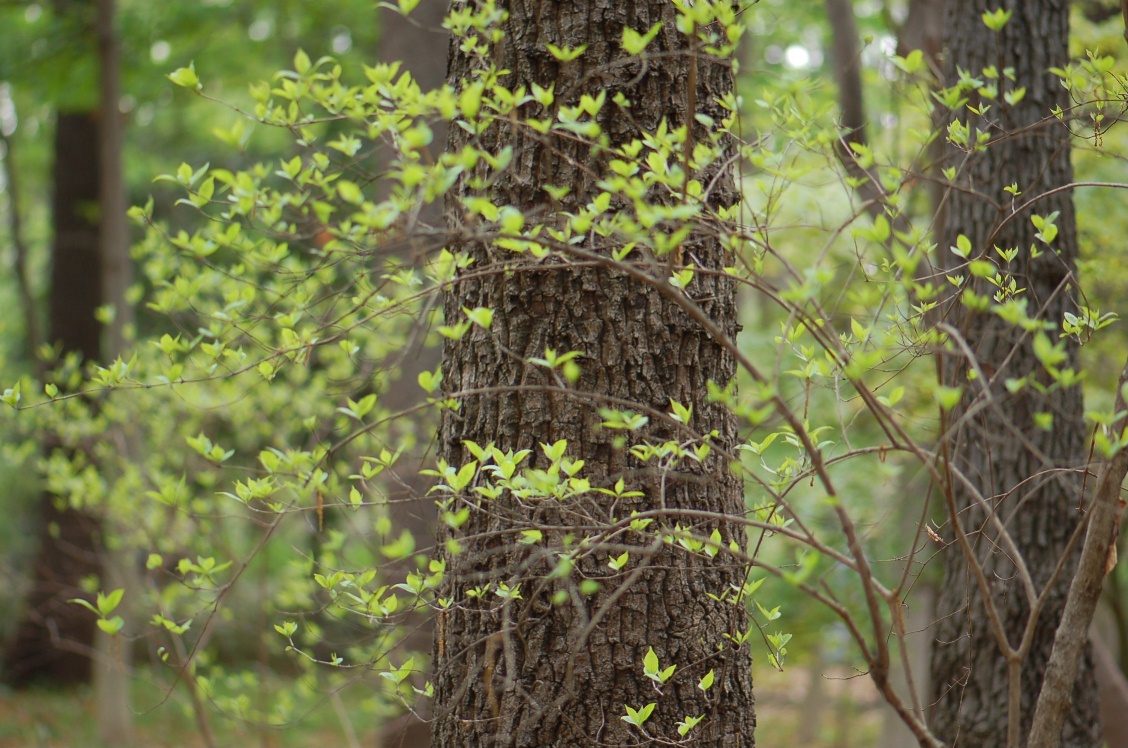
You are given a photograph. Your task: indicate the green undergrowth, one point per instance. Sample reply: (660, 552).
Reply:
(163, 716)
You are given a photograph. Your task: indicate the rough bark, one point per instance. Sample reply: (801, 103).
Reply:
(523, 673)
(53, 640)
(1031, 476)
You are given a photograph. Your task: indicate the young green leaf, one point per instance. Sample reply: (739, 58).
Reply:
(638, 717)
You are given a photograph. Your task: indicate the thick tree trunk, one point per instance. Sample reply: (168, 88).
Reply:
(528, 672)
(1030, 475)
(54, 639)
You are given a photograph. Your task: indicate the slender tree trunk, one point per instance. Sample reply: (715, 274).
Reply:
(112, 665)
(529, 672)
(1029, 474)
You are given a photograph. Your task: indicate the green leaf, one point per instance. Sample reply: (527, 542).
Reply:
(480, 316)
(706, 681)
(911, 62)
(11, 395)
(401, 548)
(1015, 96)
(650, 662)
(301, 62)
(530, 537)
(186, 77)
(349, 192)
(638, 717)
(107, 603)
(565, 54)
(1047, 352)
(680, 413)
(947, 397)
(287, 629)
(112, 625)
(634, 42)
(996, 19)
(84, 603)
(962, 248)
(688, 724)
(430, 380)
(682, 278)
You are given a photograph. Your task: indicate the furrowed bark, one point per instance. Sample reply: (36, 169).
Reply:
(1031, 475)
(526, 672)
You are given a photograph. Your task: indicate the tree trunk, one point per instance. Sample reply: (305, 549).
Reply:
(527, 672)
(54, 638)
(412, 42)
(1028, 474)
(112, 665)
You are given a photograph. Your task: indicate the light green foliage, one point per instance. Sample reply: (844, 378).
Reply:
(105, 605)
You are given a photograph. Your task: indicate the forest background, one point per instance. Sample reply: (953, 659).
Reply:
(239, 495)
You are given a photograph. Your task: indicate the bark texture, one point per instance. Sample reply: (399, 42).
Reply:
(54, 638)
(525, 673)
(1029, 475)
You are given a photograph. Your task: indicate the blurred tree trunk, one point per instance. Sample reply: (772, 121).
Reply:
(1030, 475)
(54, 639)
(528, 672)
(112, 663)
(420, 44)
(414, 43)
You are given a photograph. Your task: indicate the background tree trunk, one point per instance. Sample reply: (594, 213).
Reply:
(415, 42)
(1029, 474)
(54, 639)
(519, 674)
(113, 660)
